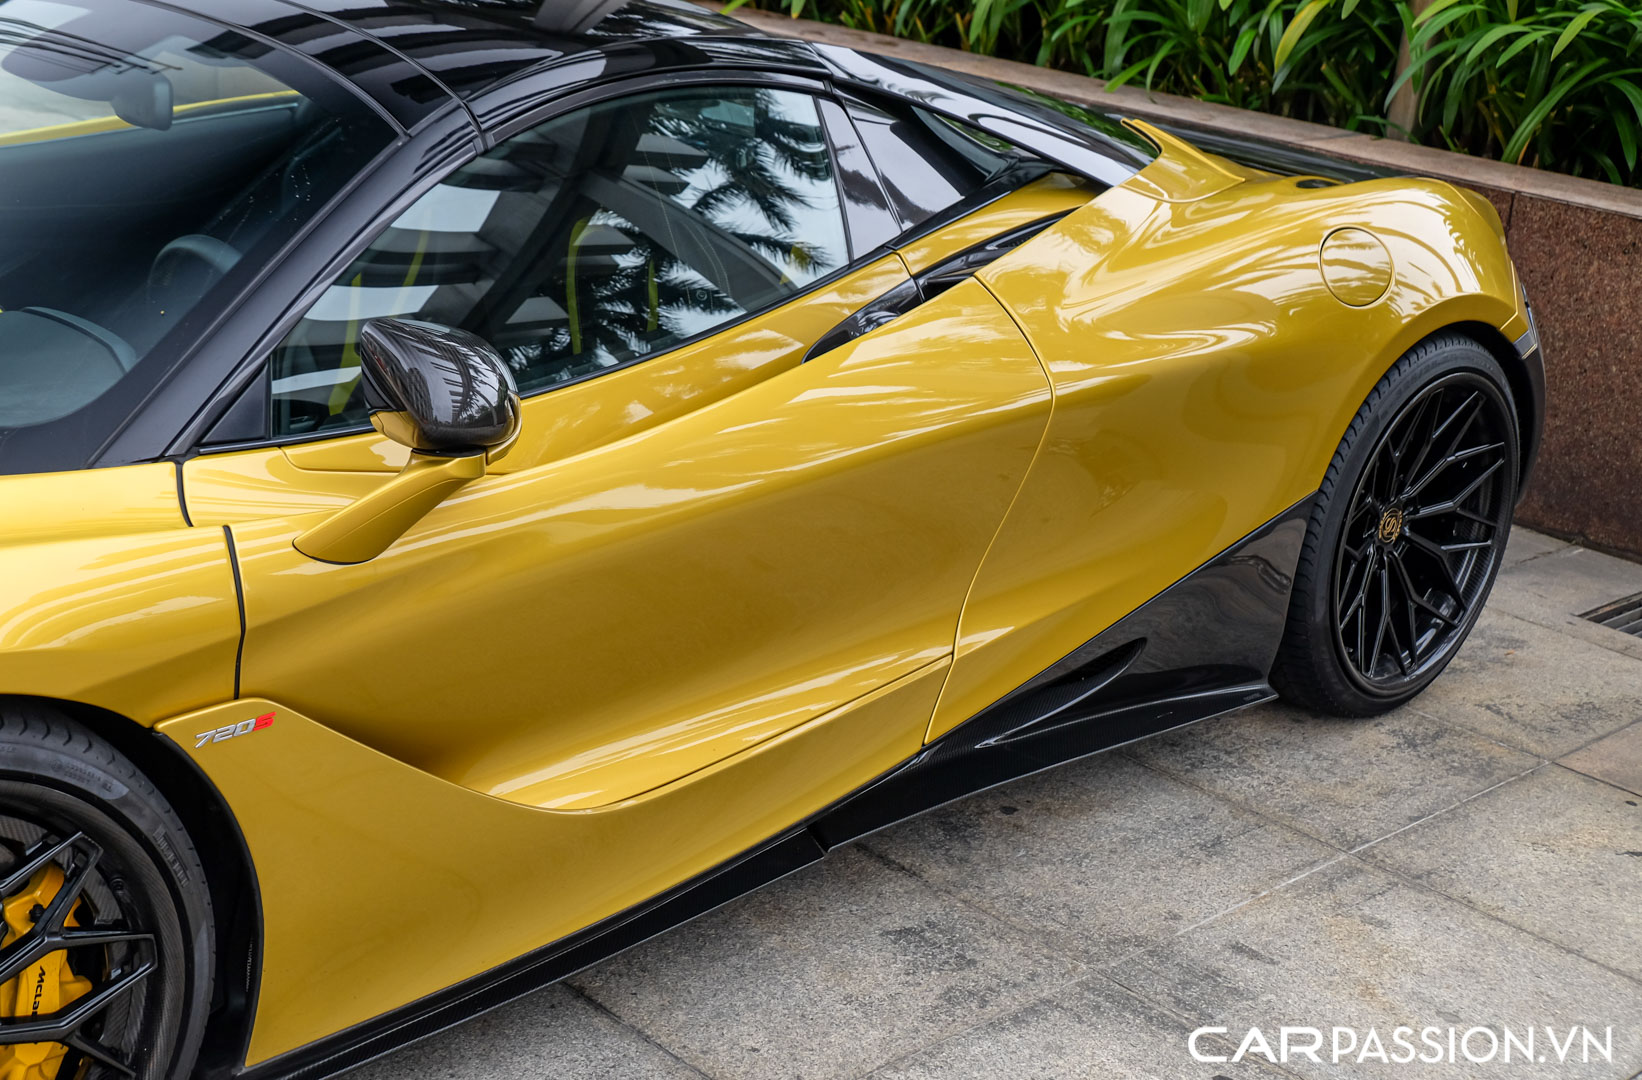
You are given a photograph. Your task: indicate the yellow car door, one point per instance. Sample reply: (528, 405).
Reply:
(689, 553)
(714, 587)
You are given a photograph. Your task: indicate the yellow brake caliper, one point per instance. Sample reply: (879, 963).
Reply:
(41, 989)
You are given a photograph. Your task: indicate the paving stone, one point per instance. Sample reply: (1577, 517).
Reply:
(1159, 864)
(1099, 857)
(1354, 946)
(1554, 590)
(1576, 579)
(1616, 759)
(1093, 1030)
(1527, 544)
(1556, 853)
(1346, 782)
(1535, 689)
(552, 1033)
(828, 973)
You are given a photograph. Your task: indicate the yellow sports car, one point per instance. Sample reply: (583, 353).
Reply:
(483, 481)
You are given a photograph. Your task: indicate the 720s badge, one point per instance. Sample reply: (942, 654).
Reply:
(244, 727)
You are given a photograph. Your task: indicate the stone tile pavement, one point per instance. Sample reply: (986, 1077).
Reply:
(1474, 858)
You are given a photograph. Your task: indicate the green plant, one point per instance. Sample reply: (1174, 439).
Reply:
(1551, 83)
(1278, 56)
(938, 22)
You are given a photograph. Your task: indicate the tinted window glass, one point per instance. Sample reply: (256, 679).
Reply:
(928, 162)
(599, 238)
(1127, 145)
(148, 164)
(871, 221)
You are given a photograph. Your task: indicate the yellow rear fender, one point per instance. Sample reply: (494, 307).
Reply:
(1208, 339)
(1181, 172)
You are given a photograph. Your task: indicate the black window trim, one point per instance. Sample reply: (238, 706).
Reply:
(1027, 168)
(1025, 124)
(926, 285)
(256, 366)
(835, 117)
(441, 154)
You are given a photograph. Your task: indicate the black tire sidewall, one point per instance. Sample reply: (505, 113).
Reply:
(140, 832)
(1423, 366)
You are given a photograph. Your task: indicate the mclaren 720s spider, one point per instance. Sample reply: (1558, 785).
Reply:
(482, 483)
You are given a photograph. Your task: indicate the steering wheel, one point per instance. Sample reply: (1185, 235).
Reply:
(196, 261)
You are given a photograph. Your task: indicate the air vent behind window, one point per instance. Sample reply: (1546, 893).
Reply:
(928, 285)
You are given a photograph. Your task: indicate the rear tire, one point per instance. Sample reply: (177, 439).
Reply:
(84, 830)
(1406, 536)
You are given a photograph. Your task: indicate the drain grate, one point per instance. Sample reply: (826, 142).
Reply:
(1624, 615)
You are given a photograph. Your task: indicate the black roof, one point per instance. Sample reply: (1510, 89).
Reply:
(502, 59)
(415, 56)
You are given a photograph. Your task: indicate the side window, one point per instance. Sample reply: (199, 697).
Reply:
(599, 238)
(928, 162)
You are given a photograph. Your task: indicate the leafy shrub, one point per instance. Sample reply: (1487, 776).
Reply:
(1557, 85)
(1551, 83)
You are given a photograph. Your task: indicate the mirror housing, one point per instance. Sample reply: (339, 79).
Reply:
(448, 396)
(437, 390)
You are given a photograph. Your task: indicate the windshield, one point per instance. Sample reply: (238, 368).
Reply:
(149, 163)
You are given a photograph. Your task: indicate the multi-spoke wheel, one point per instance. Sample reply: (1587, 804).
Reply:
(105, 922)
(1407, 533)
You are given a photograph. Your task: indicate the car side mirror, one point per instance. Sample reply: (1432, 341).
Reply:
(448, 396)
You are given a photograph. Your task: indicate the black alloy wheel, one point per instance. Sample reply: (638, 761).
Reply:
(1407, 534)
(105, 944)
(1423, 532)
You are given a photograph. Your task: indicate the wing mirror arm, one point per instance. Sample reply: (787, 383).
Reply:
(448, 396)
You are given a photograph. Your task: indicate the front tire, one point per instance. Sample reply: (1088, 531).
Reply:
(107, 956)
(1406, 536)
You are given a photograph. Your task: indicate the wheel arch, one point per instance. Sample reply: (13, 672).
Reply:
(230, 872)
(1523, 394)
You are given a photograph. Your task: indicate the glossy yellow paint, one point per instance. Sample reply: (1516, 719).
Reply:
(370, 524)
(710, 593)
(1203, 376)
(42, 507)
(1182, 172)
(107, 598)
(427, 883)
(251, 484)
(791, 548)
(1356, 266)
(1052, 194)
(42, 988)
(582, 416)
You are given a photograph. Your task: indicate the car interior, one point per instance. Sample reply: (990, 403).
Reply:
(119, 219)
(596, 239)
